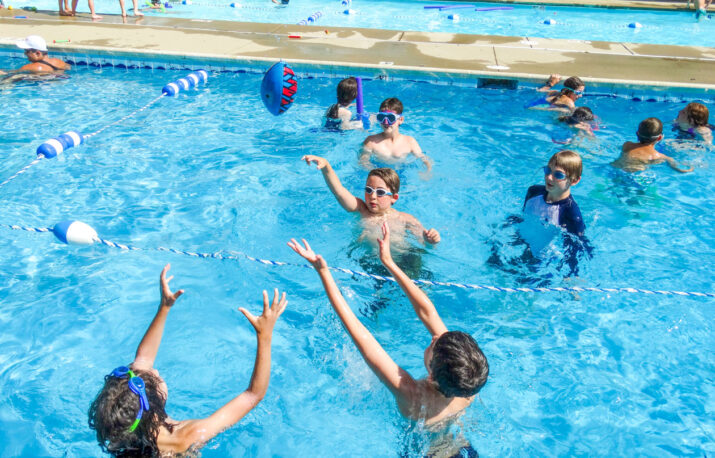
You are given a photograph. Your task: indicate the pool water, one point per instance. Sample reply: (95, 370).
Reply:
(604, 24)
(211, 170)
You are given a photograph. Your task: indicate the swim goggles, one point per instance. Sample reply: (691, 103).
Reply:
(387, 117)
(136, 385)
(578, 92)
(379, 191)
(559, 175)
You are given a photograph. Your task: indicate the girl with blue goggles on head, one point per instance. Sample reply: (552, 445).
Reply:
(128, 413)
(390, 145)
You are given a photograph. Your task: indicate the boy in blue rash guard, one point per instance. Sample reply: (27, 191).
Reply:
(552, 202)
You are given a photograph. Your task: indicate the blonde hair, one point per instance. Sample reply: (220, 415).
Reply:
(569, 161)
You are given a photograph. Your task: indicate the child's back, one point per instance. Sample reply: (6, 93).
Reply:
(637, 156)
(339, 116)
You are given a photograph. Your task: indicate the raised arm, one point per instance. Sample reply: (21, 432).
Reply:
(397, 380)
(423, 306)
(149, 345)
(345, 198)
(199, 431)
(550, 83)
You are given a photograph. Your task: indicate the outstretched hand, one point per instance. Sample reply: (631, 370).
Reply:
(320, 162)
(307, 252)
(264, 323)
(384, 244)
(167, 297)
(553, 79)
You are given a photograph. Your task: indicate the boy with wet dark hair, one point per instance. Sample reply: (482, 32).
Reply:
(339, 115)
(390, 145)
(636, 157)
(457, 368)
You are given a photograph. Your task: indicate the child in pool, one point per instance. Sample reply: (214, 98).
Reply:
(128, 413)
(381, 192)
(457, 368)
(339, 115)
(391, 145)
(552, 202)
(636, 157)
(565, 99)
(693, 119)
(582, 119)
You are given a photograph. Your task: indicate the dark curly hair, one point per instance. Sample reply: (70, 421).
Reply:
(114, 410)
(458, 365)
(579, 115)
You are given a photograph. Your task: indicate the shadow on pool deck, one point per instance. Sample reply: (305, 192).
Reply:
(530, 59)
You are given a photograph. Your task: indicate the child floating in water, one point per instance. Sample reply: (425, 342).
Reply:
(128, 413)
(339, 115)
(636, 157)
(391, 145)
(457, 368)
(563, 100)
(693, 119)
(381, 192)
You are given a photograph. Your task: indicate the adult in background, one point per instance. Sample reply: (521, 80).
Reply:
(36, 52)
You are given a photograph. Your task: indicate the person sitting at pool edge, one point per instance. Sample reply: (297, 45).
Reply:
(128, 413)
(457, 369)
(381, 192)
(36, 52)
(391, 145)
(339, 115)
(636, 157)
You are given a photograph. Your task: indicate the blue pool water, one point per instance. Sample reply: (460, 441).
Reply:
(211, 170)
(663, 27)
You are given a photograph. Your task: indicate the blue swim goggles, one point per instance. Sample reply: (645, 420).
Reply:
(387, 117)
(136, 385)
(559, 175)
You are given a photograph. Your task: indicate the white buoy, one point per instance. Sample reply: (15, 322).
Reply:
(75, 233)
(635, 25)
(453, 17)
(550, 21)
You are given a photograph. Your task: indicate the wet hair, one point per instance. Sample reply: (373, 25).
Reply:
(389, 176)
(649, 130)
(458, 366)
(566, 91)
(114, 410)
(698, 114)
(569, 161)
(392, 104)
(573, 82)
(580, 114)
(346, 92)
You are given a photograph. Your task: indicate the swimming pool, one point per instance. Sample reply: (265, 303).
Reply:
(605, 24)
(211, 170)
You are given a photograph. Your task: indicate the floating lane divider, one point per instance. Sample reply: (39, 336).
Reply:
(79, 233)
(312, 18)
(56, 146)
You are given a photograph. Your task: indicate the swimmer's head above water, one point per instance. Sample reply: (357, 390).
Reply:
(650, 131)
(456, 364)
(114, 412)
(382, 189)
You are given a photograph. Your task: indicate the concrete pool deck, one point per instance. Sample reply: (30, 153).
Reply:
(524, 58)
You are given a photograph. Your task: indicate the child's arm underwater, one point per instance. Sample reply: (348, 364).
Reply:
(397, 380)
(674, 164)
(423, 306)
(345, 198)
(429, 235)
(192, 432)
(417, 151)
(149, 345)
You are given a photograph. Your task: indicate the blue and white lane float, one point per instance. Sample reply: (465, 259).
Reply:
(56, 146)
(312, 18)
(79, 233)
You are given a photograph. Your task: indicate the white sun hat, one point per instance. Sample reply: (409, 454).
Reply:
(33, 42)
